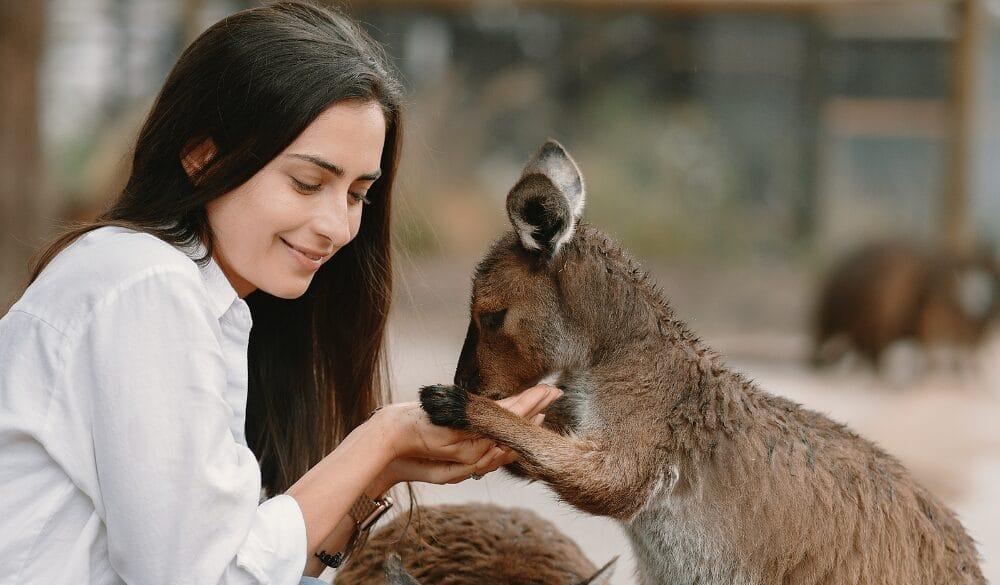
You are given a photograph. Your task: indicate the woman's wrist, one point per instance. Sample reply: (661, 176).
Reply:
(384, 424)
(326, 492)
(374, 438)
(382, 484)
(388, 423)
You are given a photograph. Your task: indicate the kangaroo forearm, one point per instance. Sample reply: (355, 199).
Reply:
(587, 474)
(603, 487)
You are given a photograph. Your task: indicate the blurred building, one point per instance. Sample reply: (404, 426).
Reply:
(754, 130)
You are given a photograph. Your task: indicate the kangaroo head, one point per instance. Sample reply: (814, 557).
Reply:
(519, 330)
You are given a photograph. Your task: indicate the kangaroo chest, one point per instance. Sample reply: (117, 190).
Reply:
(675, 548)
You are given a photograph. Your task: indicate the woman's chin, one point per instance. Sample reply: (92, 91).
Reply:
(287, 290)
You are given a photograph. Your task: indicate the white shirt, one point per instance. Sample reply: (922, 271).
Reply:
(123, 386)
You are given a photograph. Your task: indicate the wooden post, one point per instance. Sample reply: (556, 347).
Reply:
(955, 227)
(22, 202)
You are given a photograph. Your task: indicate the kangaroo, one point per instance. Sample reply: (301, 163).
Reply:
(712, 479)
(890, 291)
(471, 544)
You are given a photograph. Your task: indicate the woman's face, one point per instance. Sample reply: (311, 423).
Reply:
(274, 231)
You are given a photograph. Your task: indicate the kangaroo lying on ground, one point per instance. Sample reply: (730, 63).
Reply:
(712, 479)
(890, 291)
(472, 544)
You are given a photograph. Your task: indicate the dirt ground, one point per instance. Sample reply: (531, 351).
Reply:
(942, 426)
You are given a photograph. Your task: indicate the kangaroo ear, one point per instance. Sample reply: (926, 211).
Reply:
(603, 575)
(547, 200)
(395, 574)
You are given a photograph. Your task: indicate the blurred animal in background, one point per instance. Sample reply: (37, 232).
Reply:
(889, 292)
(712, 479)
(471, 544)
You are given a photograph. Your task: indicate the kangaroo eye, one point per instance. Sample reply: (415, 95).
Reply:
(492, 321)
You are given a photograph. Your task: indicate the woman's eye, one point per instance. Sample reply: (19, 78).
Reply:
(305, 186)
(493, 320)
(360, 198)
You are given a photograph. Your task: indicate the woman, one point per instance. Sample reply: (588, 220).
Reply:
(140, 416)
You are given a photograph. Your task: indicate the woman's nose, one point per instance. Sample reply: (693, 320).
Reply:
(334, 221)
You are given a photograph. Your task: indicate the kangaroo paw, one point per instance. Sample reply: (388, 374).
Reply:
(445, 405)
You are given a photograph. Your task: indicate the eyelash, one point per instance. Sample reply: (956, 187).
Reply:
(359, 197)
(305, 186)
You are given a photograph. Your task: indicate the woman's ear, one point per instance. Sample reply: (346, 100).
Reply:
(195, 157)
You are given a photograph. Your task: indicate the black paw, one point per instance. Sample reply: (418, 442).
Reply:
(445, 405)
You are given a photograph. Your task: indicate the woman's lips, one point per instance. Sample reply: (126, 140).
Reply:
(304, 259)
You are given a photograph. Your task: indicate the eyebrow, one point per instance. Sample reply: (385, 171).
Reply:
(335, 169)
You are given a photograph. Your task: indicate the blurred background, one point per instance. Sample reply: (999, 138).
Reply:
(742, 149)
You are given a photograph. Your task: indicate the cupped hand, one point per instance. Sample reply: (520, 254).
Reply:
(423, 451)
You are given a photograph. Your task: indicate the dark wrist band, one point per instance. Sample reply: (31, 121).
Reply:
(332, 561)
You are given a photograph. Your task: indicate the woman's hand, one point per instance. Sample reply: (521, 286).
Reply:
(423, 451)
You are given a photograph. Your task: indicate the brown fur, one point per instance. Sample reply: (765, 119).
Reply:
(470, 545)
(892, 291)
(713, 479)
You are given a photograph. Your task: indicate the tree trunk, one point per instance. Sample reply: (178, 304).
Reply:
(22, 203)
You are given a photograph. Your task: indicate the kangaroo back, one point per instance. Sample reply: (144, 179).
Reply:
(472, 544)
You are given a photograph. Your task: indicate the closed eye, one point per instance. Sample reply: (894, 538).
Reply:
(361, 198)
(306, 186)
(492, 320)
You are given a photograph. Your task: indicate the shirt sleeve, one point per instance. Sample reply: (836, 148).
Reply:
(180, 495)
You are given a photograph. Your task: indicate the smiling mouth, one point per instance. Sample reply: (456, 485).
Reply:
(312, 257)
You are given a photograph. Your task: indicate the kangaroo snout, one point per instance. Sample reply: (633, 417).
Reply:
(467, 373)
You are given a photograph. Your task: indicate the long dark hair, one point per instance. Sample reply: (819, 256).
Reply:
(252, 83)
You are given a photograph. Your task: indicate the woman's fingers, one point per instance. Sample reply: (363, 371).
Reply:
(498, 458)
(478, 450)
(469, 456)
(531, 401)
(487, 460)
(429, 471)
(549, 399)
(526, 397)
(431, 442)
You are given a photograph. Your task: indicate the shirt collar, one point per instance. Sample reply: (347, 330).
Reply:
(221, 293)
